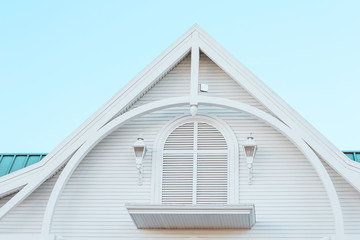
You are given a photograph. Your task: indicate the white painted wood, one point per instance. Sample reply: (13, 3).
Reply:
(73, 163)
(195, 163)
(33, 184)
(178, 166)
(175, 83)
(346, 237)
(192, 152)
(292, 201)
(222, 85)
(29, 237)
(204, 87)
(336, 159)
(27, 217)
(195, 51)
(233, 154)
(86, 204)
(349, 201)
(90, 143)
(144, 80)
(192, 216)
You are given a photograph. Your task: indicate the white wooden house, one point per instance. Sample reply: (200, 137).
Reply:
(194, 147)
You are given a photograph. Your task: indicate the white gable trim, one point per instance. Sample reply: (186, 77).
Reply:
(34, 176)
(195, 59)
(133, 90)
(348, 169)
(53, 161)
(181, 101)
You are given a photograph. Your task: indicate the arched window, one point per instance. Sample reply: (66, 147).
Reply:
(197, 163)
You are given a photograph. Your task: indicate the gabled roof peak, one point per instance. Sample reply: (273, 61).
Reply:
(195, 28)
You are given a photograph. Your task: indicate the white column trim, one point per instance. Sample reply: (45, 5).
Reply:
(195, 59)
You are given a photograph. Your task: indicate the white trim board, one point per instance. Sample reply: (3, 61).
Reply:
(131, 91)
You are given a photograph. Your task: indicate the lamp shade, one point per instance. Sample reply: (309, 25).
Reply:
(139, 148)
(250, 147)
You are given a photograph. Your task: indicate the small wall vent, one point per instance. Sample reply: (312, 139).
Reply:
(204, 87)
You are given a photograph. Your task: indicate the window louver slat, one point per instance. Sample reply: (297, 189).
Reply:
(209, 138)
(182, 138)
(212, 178)
(210, 170)
(177, 180)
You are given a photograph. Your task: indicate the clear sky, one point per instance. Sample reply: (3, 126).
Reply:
(62, 60)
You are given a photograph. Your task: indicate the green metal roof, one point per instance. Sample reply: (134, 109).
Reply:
(11, 162)
(353, 155)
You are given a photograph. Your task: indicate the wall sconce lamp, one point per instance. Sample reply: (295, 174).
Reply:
(139, 151)
(250, 148)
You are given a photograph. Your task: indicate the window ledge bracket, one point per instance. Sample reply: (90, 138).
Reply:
(183, 216)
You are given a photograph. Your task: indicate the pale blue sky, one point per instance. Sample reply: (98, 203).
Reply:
(62, 60)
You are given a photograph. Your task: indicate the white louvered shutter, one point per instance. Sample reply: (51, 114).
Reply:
(195, 166)
(212, 166)
(177, 178)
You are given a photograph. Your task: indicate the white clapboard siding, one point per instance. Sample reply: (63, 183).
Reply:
(290, 201)
(4, 200)
(349, 200)
(27, 217)
(174, 84)
(177, 83)
(222, 85)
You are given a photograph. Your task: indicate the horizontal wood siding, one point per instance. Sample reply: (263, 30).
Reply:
(27, 217)
(177, 83)
(174, 84)
(290, 200)
(349, 200)
(222, 85)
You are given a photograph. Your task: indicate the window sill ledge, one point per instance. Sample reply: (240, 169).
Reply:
(158, 216)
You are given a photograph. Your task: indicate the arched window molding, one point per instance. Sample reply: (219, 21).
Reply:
(232, 154)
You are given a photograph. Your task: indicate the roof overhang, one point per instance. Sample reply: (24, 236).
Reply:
(154, 216)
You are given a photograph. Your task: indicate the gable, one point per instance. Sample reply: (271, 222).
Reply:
(165, 62)
(171, 84)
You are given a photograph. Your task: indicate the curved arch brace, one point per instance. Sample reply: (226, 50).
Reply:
(173, 102)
